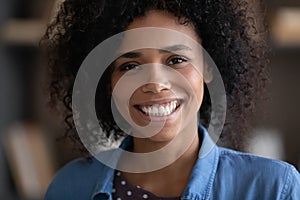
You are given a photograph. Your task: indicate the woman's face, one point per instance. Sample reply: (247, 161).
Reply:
(170, 88)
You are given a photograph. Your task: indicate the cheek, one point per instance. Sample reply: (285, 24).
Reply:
(200, 93)
(196, 82)
(114, 81)
(115, 77)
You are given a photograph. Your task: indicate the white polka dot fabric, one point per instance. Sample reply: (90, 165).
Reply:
(123, 190)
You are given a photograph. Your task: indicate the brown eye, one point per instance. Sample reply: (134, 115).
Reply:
(129, 66)
(177, 60)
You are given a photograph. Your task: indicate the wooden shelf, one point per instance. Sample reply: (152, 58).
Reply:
(285, 27)
(29, 159)
(30, 31)
(23, 31)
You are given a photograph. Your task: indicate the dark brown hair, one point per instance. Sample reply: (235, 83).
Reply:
(229, 33)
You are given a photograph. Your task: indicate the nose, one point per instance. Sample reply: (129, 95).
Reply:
(158, 79)
(154, 87)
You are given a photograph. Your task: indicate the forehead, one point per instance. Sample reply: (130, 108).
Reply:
(158, 29)
(164, 40)
(163, 19)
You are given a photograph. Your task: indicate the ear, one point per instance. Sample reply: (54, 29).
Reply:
(207, 73)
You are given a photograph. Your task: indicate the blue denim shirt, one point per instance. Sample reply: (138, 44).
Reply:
(219, 174)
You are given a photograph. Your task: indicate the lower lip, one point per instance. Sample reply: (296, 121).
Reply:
(158, 118)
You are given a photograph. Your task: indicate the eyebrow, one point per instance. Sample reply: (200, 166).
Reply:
(131, 55)
(177, 47)
(168, 49)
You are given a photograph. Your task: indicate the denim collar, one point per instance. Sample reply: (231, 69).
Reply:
(203, 174)
(201, 179)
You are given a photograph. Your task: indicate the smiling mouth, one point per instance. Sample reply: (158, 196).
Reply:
(159, 110)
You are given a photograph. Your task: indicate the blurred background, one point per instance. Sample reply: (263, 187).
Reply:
(29, 152)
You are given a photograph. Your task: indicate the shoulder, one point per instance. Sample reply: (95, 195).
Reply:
(267, 178)
(75, 180)
(231, 158)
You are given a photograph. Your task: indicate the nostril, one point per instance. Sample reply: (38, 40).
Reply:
(155, 87)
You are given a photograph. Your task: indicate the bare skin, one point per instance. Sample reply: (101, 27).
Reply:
(171, 180)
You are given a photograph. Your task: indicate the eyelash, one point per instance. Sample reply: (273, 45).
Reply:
(181, 58)
(130, 66)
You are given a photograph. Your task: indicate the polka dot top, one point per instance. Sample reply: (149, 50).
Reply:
(123, 190)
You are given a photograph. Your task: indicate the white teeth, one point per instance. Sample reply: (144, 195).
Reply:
(155, 110)
(173, 105)
(160, 110)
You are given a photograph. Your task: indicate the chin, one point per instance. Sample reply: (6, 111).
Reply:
(164, 136)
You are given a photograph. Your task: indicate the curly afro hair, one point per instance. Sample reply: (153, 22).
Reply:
(231, 32)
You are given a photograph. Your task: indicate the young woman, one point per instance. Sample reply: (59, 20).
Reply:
(159, 79)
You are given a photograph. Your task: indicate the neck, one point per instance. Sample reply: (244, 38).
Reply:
(171, 180)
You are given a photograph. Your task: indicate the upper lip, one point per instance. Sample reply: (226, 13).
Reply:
(157, 101)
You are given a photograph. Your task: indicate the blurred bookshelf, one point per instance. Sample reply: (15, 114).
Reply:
(284, 17)
(29, 30)
(27, 153)
(285, 27)
(29, 159)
